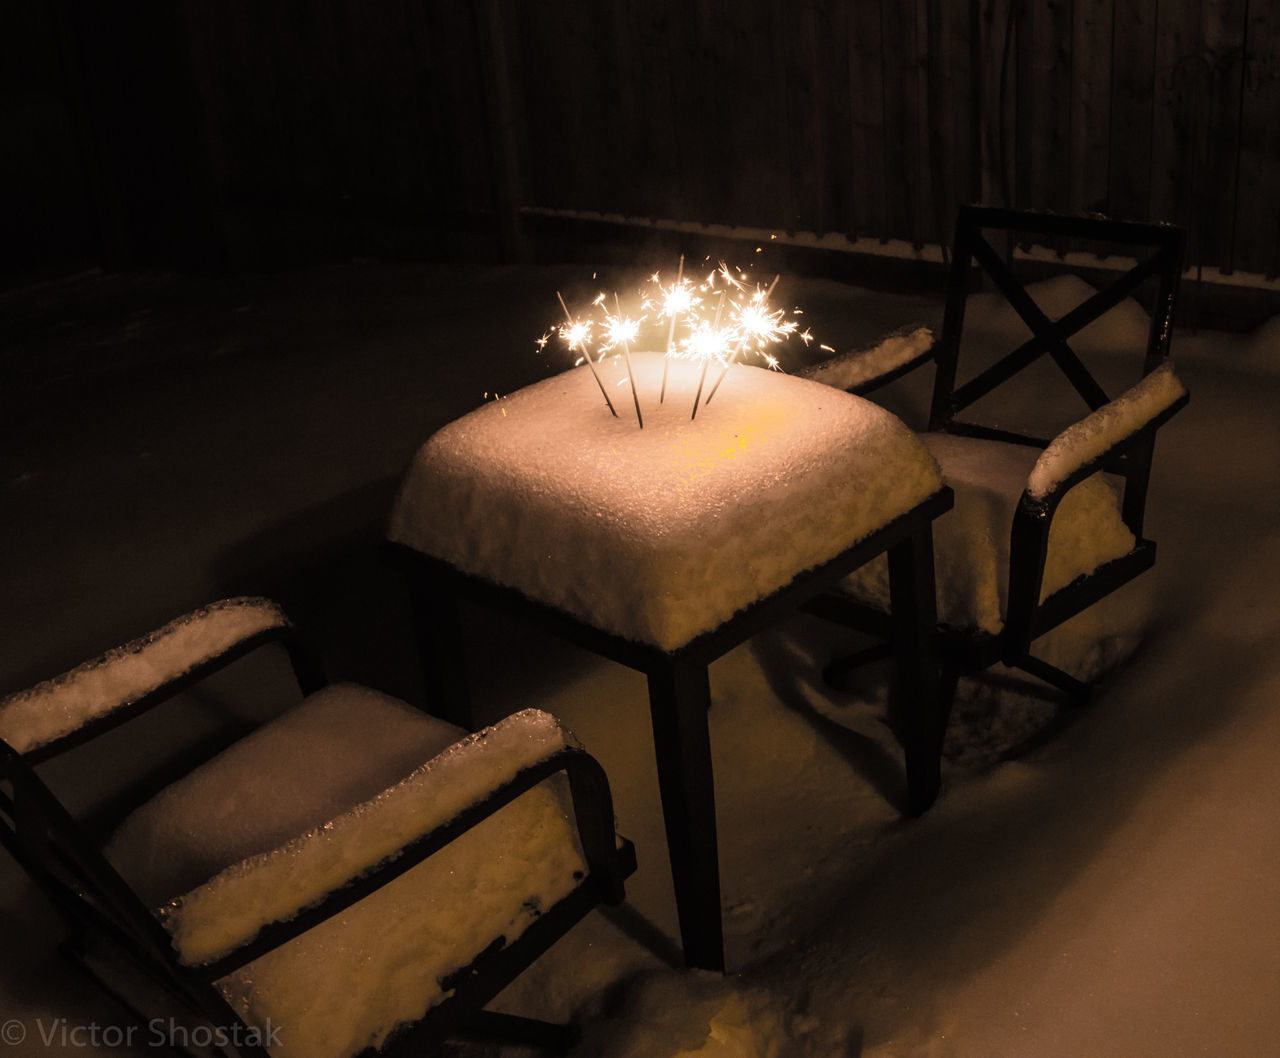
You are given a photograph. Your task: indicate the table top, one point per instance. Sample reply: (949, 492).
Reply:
(662, 533)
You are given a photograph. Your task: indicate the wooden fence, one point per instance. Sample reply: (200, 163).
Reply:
(358, 127)
(875, 117)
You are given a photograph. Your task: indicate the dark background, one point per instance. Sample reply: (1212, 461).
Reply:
(238, 135)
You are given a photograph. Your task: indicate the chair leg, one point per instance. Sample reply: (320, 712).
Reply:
(679, 694)
(917, 711)
(437, 625)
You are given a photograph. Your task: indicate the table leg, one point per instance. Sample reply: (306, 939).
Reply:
(917, 711)
(679, 697)
(437, 625)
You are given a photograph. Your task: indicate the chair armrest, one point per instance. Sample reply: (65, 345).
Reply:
(1124, 427)
(862, 370)
(121, 682)
(1087, 445)
(266, 900)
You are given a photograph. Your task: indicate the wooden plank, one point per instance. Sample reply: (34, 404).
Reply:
(437, 175)
(954, 106)
(550, 85)
(1178, 120)
(902, 162)
(833, 42)
(985, 54)
(1090, 112)
(765, 150)
(1000, 100)
(646, 91)
(494, 26)
(934, 151)
(1132, 76)
(810, 168)
(1224, 36)
(1043, 105)
(1054, 37)
(712, 150)
(782, 104)
(200, 25)
(1257, 215)
(940, 127)
(1027, 91)
(867, 127)
(686, 78)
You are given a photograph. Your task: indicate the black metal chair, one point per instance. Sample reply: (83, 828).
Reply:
(352, 874)
(1033, 512)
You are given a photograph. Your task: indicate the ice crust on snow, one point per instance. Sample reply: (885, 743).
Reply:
(858, 366)
(662, 533)
(63, 704)
(971, 541)
(347, 983)
(1084, 441)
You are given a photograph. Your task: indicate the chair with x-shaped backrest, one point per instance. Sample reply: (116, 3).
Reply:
(1043, 527)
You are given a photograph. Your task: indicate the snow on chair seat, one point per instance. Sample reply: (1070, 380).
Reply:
(352, 871)
(971, 543)
(287, 840)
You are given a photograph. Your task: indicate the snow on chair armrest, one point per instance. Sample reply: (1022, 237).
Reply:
(1102, 430)
(858, 369)
(61, 705)
(229, 910)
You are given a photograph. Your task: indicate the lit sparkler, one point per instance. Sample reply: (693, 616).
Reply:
(706, 343)
(744, 324)
(756, 327)
(677, 300)
(622, 331)
(576, 335)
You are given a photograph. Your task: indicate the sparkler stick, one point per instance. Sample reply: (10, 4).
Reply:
(671, 330)
(587, 353)
(622, 329)
(743, 341)
(706, 359)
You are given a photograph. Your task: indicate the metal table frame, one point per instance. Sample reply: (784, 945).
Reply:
(680, 694)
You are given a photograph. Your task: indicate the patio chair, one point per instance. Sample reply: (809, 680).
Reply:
(1038, 532)
(349, 875)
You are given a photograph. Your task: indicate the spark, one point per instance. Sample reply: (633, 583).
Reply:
(622, 331)
(576, 335)
(755, 327)
(712, 342)
(678, 300)
(725, 317)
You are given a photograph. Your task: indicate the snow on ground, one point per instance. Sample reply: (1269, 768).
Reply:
(1111, 892)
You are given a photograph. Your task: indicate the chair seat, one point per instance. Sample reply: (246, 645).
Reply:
(268, 801)
(971, 542)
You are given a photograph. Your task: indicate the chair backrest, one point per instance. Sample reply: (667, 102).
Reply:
(1159, 250)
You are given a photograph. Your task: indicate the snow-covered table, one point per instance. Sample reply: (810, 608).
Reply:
(664, 547)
